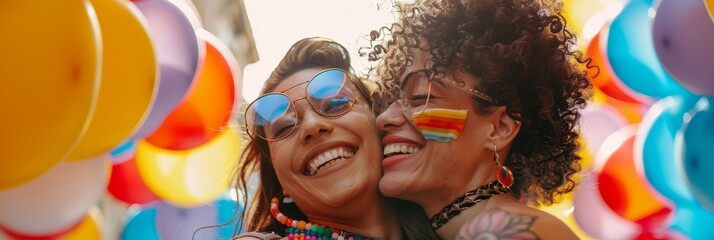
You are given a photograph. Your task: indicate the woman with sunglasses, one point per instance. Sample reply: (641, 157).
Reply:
(487, 100)
(315, 144)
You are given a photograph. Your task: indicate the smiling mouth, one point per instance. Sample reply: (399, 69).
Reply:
(328, 159)
(399, 148)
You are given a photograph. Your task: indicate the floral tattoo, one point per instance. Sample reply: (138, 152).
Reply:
(498, 224)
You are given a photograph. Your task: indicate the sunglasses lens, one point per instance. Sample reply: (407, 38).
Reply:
(271, 116)
(331, 92)
(415, 91)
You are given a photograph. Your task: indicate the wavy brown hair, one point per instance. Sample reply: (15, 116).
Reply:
(523, 55)
(306, 53)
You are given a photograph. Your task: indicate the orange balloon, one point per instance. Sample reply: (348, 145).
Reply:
(129, 79)
(620, 186)
(208, 106)
(50, 68)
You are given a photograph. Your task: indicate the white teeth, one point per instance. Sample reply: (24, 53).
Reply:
(397, 148)
(328, 158)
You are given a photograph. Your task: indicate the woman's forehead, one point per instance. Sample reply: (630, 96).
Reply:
(295, 83)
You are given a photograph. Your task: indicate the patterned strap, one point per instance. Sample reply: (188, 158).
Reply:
(466, 201)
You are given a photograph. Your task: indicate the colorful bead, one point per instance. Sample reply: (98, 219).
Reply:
(302, 230)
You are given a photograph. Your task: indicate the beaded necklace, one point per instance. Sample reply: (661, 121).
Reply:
(302, 230)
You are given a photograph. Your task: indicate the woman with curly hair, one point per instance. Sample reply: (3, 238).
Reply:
(315, 145)
(488, 95)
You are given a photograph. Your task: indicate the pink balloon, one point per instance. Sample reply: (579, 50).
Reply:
(683, 36)
(598, 122)
(178, 52)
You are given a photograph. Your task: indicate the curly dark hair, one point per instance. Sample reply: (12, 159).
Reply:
(523, 55)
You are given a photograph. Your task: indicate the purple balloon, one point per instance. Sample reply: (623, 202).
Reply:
(683, 36)
(215, 220)
(178, 52)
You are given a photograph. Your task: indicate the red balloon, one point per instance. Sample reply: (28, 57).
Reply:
(126, 185)
(618, 181)
(24, 236)
(207, 107)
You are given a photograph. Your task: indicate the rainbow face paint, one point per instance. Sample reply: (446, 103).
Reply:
(440, 124)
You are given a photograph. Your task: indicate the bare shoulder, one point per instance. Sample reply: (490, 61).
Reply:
(515, 221)
(257, 236)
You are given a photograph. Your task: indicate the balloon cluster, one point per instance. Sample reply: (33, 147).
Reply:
(650, 127)
(133, 99)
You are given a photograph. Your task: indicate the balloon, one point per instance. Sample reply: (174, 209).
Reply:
(578, 13)
(631, 52)
(696, 146)
(597, 123)
(88, 228)
(620, 186)
(683, 36)
(128, 79)
(654, 147)
(189, 177)
(126, 185)
(710, 8)
(141, 223)
(595, 217)
(605, 80)
(123, 152)
(56, 200)
(50, 75)
(207, 107)
(182, 223)
(693, 220)
(178, 52)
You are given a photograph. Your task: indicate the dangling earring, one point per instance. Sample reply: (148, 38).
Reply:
(288, 199)
(503, 173)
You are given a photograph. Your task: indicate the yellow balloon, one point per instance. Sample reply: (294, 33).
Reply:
(129, 79)
(190, 177)
(89, 228)
(49, 66)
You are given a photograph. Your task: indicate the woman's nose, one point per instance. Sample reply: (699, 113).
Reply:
(314, 125)
(391, 118)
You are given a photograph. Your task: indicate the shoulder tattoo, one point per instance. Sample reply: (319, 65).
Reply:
(498, 224)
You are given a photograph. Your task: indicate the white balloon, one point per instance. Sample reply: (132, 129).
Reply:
(56, 200)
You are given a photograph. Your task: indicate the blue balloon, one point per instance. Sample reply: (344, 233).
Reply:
(698, 152)
(693, 220)
(656, 135)
(141, 224)
(631, 52)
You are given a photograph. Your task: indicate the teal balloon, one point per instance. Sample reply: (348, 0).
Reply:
(698, 152)
(655, 142)
(632, 55)
(692, 220)
(141, 224)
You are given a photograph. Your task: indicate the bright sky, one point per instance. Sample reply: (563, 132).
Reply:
(278, 24)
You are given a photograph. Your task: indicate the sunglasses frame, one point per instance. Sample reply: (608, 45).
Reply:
(358, 92)
(430, 77)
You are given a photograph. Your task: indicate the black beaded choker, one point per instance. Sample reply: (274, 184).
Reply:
(467, 200)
